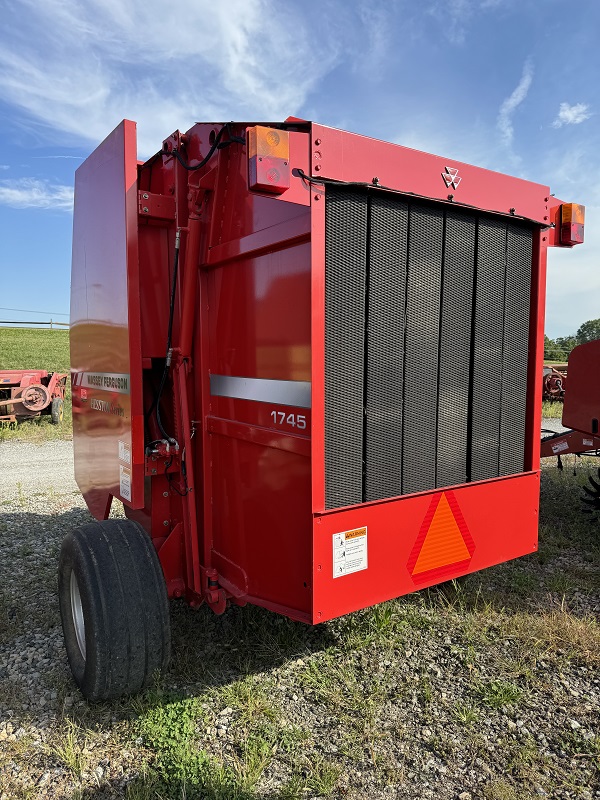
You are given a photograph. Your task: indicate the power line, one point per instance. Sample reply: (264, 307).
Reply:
(30, 311)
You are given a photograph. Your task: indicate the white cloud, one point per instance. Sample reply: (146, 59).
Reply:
(4, 166)
(80, 66)
(33, 193)
(376, 29)
(453, 16)
(510, 105)
(456, 15)
(571, 115)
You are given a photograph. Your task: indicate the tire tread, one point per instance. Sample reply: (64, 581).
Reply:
(120, 576)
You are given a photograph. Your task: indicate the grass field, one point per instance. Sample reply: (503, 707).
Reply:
(35, 348)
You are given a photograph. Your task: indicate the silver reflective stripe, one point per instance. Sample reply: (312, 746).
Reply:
(282, 393)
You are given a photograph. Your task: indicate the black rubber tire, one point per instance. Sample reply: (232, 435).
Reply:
(125, 608)
(57, 410)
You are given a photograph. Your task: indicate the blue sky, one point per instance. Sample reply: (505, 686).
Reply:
(511, 85)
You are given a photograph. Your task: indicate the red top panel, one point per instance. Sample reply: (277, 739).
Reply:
(349, 157)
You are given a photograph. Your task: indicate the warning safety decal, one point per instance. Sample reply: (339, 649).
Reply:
(444, 545)
(349, 552)
(124, 483)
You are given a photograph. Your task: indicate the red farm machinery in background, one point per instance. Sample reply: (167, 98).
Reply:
(25, 394)
(285, 343)
(581, 409)
(554, 382)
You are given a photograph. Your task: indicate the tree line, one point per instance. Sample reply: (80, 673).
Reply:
(559, 349)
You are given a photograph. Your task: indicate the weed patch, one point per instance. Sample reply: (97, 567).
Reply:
(496, 694)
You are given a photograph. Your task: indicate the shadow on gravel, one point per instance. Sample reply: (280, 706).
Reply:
(207, 650)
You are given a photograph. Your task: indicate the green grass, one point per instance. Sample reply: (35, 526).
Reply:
(35, 348)
(496, 694)
(552, 409)
(70, 748)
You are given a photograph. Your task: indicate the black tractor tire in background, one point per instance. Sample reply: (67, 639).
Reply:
(57, 410)
(114, 608)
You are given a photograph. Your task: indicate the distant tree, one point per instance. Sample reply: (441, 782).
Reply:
(589, 331)
(553, 351)
(566, 344)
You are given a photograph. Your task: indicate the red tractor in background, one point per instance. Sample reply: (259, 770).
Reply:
(25, 394)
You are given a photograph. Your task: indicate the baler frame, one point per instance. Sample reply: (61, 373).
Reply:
(194, 413)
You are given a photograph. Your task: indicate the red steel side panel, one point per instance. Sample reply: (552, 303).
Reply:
(259, 328)
(582, 397)
(318, 345)
(406, 549)
(536, 350)
(105, 341)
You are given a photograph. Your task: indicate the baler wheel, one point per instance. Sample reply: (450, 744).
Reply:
(114, 608)
(57, 411)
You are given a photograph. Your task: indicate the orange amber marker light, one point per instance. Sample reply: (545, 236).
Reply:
(268, 142)
(268, 159)
(572, 220)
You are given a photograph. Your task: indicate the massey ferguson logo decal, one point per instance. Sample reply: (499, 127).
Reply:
(450, 176)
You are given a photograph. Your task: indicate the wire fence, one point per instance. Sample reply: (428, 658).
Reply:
(35, 324)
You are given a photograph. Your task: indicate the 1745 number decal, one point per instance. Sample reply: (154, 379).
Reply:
(294, 420)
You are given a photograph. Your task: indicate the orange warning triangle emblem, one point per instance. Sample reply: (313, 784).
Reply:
(444, 544)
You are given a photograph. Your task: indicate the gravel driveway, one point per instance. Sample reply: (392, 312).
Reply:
(27, 468)
(483, 689)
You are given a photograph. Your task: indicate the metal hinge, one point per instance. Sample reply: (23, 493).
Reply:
(156, 206)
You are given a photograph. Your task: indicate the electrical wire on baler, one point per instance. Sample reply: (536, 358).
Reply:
(169, 353)
(375, 184)
(216, 145)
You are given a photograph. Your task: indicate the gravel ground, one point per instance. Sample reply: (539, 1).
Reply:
(552, 424)
(27, 468)
(485, 689)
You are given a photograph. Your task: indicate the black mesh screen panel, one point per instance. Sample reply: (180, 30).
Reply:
(515, 347)
(345, 289)
(487, 348)
(423, 292)
(386, 301)
(455, 349)
(426, 345)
